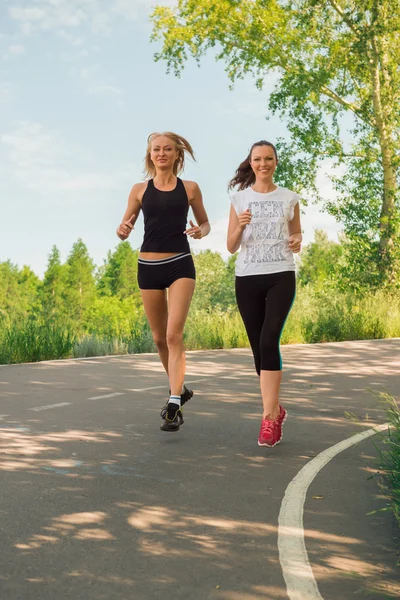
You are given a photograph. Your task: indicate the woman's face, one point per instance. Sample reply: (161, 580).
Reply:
(263, 162)
(163, 153)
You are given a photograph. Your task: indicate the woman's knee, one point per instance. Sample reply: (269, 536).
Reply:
(174, 338)
(270, 342)
(270, 354)
(160, 339)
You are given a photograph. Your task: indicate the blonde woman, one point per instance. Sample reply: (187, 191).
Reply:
(165, 260)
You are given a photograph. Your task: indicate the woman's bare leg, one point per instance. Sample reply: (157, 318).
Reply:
(156, 309)
(179, 298)
(270, 383)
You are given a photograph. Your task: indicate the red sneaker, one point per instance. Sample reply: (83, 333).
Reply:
(270, 432)
(271, 429)
(281, 418)
(282, 415)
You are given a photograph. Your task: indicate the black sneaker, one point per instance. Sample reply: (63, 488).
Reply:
(173, 418)
(185, 396)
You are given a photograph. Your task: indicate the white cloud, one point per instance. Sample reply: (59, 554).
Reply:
(91, 76)
(73, 40)
(16, 49)
(314, 218)
(105, 89)
(216, 239)
(6, 92)
(70, 14)
(49, 14)
(43, 161)
(87, 73)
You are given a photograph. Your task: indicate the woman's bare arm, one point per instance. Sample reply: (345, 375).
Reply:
(196, 202)
(295, 236)
(132, 211)
(236, 227)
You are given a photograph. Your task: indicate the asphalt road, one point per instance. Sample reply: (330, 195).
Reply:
(97, 503)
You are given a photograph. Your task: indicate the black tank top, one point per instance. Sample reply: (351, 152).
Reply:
(165, 216)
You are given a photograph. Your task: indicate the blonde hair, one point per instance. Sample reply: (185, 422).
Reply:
(181, 145)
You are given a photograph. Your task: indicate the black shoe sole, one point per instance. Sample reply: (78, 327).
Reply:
(170, 426)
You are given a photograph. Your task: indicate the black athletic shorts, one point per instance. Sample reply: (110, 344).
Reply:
(160, 274)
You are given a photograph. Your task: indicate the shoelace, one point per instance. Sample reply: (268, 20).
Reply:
(171, 414)
(268, 426)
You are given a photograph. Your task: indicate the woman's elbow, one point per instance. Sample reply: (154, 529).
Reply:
(231, 248)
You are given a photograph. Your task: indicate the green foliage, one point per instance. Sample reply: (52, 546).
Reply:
(325, 309)
(336, 65)
(390, 455)
(110, 316)
(328, 315)
(18, 289)
(219, 329)
(319, 260)
(52, 291)
(79, 289)
(214, 283)
(119, 274)
(32, 340)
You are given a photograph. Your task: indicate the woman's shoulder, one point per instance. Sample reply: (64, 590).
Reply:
(138, 190)
(141, 185)
(287, 193)
(190, 185)
(238, 194)
(192, 190)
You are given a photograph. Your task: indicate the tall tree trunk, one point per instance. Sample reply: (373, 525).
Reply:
(387, 219)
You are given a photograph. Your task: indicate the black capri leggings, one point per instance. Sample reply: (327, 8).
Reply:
(264, 303)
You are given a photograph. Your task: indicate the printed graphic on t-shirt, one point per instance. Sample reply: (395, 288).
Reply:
(264, 245)
(267, 224)
(266, 208)
(258, 253)
(265, 231)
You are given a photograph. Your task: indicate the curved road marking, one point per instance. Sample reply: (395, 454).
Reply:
(296, 568)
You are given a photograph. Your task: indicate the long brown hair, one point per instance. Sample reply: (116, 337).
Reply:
(182, 146)
(244, 176)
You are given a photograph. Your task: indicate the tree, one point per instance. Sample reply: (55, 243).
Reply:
(119, 274)
(79, 290)
(215, 282)
(52, 290)
(332, 58)
(319, 260)
(18, 290)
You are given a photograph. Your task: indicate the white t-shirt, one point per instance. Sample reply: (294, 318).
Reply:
(264, 248)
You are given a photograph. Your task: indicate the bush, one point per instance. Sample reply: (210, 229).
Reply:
(390, 456)
(32, 340)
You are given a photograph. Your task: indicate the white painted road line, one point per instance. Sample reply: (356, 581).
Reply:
(296, 568)
(107, 396)
(47, 406)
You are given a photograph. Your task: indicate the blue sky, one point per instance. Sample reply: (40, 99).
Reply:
(79, 94)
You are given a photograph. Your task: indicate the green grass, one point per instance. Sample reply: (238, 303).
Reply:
(218, 329)
(31, 341)
(318, 315)
(324, 315)
(389, 456)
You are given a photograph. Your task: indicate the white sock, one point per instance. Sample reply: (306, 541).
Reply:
(174, 400)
